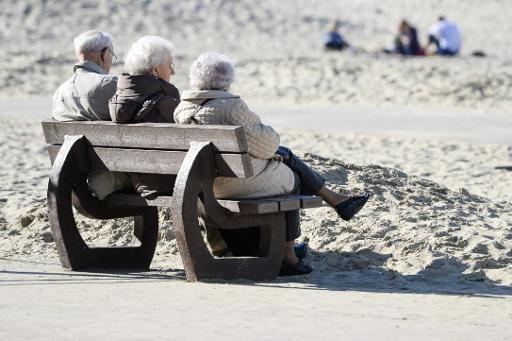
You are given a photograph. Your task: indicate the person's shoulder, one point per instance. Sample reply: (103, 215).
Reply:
(65, 89)
(234, 103)
(106, 83)
(170, 90)
(63, 86)
(108, 80)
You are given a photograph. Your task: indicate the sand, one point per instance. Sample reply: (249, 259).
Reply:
(455, 234)
(156, 305)
(429, 257)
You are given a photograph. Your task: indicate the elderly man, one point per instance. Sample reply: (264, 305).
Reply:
(85, 95)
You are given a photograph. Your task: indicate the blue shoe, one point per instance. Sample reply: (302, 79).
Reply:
(348, 208)
(300, 250)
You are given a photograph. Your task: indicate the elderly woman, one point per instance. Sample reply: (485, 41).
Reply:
(210, 102)
(144, 94)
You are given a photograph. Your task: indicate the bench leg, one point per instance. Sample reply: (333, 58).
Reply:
(195, 180)
(68, 180)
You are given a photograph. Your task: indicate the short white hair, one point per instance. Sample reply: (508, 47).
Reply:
(92, 41)
(212, 71)
(147, 53)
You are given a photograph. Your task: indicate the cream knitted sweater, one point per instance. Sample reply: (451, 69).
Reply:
(271, 177)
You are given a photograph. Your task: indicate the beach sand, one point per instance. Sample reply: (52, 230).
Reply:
(429, 257)
(426, 257)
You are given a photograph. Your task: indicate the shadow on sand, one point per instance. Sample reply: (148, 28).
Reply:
(362, 271)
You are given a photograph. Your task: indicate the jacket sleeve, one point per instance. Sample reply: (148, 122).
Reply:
(262, 140)
(117, 110)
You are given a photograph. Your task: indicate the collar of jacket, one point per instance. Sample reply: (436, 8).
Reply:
(143, 85)
(87, 65)
(206, 94)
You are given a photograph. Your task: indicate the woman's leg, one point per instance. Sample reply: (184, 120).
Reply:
(292, 219)
(312, 183)
(292, 265)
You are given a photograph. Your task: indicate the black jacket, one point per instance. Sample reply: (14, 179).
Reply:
(143, 98)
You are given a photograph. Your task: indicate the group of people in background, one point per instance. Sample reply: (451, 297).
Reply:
(444, 38)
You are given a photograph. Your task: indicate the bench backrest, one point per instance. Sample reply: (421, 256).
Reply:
(157, 148)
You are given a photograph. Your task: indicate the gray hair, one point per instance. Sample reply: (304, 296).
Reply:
(147, 53)
(212, 71)
(92, 41)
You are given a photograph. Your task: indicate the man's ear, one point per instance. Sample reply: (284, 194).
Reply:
(102, 56)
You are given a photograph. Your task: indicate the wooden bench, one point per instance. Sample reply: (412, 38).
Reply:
(196, 155)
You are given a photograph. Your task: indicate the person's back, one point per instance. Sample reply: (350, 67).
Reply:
(144, 93)
(414, 42)
(333, 39)
(85, 95)
(220, 107)
(448, 35)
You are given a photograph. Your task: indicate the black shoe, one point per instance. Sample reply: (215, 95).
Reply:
(348, 208)
(300, 250)
(298, 269)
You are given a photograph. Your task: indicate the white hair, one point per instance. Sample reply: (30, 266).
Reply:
(212, 71)
(147, 53)
(92, 41)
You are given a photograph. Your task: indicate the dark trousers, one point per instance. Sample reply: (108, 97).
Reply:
(307, 182)
(440, 51)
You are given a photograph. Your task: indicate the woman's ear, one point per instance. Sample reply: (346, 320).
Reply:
(154, 72)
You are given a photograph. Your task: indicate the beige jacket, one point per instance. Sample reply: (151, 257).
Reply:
(85, 95)
(271, 177)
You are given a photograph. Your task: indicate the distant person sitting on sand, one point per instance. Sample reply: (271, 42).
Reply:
(84, 97)
(333, 39)
(210, 102)
(406, 41)
(445, 37)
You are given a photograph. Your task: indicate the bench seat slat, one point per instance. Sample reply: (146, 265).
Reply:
(308, 201)
(170, 136)
(246, 206)
(158, 161)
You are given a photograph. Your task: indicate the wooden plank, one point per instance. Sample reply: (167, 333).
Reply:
(308, 201)
(287, 203)
(234, 165)
(136, 200)
(158, 161)
(250, 206)
(246, 206)
(147, 135)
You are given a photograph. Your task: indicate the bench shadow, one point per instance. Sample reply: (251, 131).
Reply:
(20, 277)
(362, 271)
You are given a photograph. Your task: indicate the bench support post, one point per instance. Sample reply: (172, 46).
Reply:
(67, 185)
(195, 183)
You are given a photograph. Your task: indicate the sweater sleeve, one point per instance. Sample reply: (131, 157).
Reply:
(262, 140)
